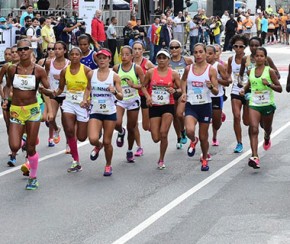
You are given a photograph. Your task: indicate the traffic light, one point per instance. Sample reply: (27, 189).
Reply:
(188, 3)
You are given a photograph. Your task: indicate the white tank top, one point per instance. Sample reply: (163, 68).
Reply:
(197, 91)
(102, 100)
(54, 83)
(235, 74)
(220, 87)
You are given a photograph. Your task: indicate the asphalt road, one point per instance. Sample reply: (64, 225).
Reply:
(231, 203)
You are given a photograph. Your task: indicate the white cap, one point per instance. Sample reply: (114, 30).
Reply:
(163, 52)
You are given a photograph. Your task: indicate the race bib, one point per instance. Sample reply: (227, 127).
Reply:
(180, 71)
(101, 106)
(24, 82)
(75, 96)
(196, 94)
(261, 97)
(128, 92)
(160, 96)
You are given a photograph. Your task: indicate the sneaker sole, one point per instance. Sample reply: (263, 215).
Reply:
(204, 168)
(10, 164)
(25, 170)
(191, 154)
(253, 165)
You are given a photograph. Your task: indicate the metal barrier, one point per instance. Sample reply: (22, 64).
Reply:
(50, 12)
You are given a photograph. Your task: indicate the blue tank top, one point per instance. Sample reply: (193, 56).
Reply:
(89, 60)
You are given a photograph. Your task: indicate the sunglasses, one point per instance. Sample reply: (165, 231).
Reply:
(174, 47)
(19, 49)
(239, 46)
(50, 49)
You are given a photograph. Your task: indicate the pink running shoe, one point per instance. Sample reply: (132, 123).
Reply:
(267, 144)
(139, 152)
(215, 142)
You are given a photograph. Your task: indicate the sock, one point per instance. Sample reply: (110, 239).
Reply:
(178, 140)
(72, 142)
(33, 161)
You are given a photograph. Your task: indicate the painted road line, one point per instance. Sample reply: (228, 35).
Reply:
(153, 218)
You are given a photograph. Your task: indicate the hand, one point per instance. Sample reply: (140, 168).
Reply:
(112, 89)
(56, 77)
(149, 101)
(242, 92)
(130, 83)
(171, 90)
(209, 84)
(84, 104)
(4, 104)
(265, 82)
(183, 97)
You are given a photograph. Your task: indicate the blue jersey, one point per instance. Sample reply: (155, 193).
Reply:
(89, 60)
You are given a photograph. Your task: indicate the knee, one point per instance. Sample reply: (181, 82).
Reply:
(82, 138)
(190, 132)
(237, 118)
(254, 130)
(93, 140)
(107, 143)
(30, 150)
(163, 135)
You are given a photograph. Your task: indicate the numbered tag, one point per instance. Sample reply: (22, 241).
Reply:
(100, 106)
(24, 82)
(261, 97)
(128, 92)
(180, 71)
(160, 96)
(196, 95)
(75, 97)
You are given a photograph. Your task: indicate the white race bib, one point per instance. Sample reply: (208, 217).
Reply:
(128, 92)
(196, 95)
(160, 96)
(261, 97)
(75, 96)
(101, 106)
(24, 82)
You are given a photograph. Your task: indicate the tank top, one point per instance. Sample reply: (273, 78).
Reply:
(54, 83)
(178, 66)
(25, 82)
(89, 60)
(235, 76)
(75, 84)
(220, 87)
(143, 67)
(129, 93)
(158, 88)
(102, 100)
(261, 95)
(197, 91)
(288, 24)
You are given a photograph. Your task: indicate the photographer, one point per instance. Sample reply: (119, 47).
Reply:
(63, 30)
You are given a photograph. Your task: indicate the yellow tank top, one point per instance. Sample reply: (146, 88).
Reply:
(77, 82)
(76, 85)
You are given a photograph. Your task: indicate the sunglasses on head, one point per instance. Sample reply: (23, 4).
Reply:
(239, 46)
(19, 49)
(50, 49)
(174, 47)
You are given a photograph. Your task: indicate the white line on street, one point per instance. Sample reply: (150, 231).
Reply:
(149, 221)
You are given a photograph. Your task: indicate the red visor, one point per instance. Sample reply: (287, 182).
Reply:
(104, 52)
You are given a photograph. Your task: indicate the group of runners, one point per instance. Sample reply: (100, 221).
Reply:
(93, 99)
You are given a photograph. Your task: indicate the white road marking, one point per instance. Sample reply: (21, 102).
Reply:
(149, 221)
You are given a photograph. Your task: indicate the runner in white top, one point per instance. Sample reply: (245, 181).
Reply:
(239, 43)
(103, 86)
(53, 68)
(200, 79)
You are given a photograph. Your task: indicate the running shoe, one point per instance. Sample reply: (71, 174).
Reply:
(75, 167)
(178, 145)
(224, 117)
(183, 137)
(67, 149)
(161, 164)
(56, 136)
(108, 171)
(51, 143)
(239, 148)
(11, 162)
(120, 138)
(95, 152)
(23, 143)
(139, 152)
(267, 144)
(204, 165)
(191, 148)
(215, 142)
(130, 157)
(25, 168)
(32, 184)
(254, 162)
(208, 157)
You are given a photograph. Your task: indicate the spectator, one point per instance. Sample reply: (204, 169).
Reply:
(187, 19)
(157, 41)
(32, 36)
(247, 26)
(216, 29)
(230, 30)
(193, 35)
(178, 28)
(24, 4)
(28, 12)
(258, 24)
(166, 33)
(23, 29)
(269, 10)
(133, 20)
(4, 25)
(264, 28)
(205, 32)
(127, 32)
(151, 35)
(98, 29)
(141, 30)
(259, 10)
(47, 33)
(158, 11)
(112, 37)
